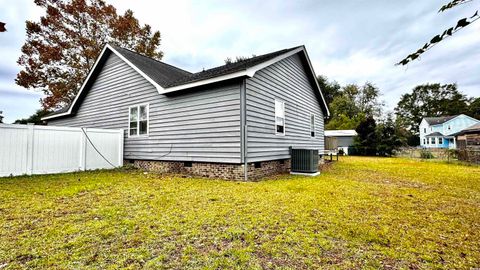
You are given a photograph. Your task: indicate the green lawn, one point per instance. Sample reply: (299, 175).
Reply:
(361, 213)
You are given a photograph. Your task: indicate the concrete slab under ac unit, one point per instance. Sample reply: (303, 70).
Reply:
(306, 174)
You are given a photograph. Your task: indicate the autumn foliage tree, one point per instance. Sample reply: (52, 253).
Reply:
(62, 47)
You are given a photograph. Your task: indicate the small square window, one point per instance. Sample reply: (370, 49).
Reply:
(187, 164)
(258, 165)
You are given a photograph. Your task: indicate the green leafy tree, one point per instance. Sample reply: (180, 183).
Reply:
(429, 100)
(366, 140)
(330, 89)
(35, 118)
(62, 47)
(390, 136)
(474, 108)
(353, 104)
(446, 33)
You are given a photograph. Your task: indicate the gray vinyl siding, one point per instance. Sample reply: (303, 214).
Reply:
(286, 81)
(202, 125)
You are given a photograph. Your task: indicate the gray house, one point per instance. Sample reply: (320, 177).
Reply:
(235, 121)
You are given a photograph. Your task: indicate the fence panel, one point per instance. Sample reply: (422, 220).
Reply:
(29, 149)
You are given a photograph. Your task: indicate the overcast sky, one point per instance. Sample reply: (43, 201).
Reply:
(348, 41)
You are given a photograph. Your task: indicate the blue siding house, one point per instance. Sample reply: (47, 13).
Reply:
(439, 132)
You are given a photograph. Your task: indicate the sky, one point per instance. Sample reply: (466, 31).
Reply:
(348, 41)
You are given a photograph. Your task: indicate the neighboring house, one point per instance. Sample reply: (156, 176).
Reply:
(439, 132)
(469, 137)
(210, 123)
(340, 139)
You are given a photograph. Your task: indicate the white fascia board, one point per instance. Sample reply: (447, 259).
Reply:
(107, 46)
(81, 88)
(204, 82)
(249, 72)
(315, 79)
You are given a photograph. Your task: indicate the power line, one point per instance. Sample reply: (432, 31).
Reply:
(91, 143)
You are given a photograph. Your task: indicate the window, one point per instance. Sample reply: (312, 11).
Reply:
(424, 141)
(424, 130)
(138, 120)
(312, 125)
(449, 127)
(279, 117)
(440, 140)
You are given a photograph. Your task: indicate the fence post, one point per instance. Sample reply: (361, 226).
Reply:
(30, 140)
(83, 150)
(120, 149)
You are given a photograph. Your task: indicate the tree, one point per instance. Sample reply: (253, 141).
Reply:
(229, 60)
(353, 104)
(390, 136)
(366, 140)
(474, 108)
(35, 118)
(330, 90)
(429, 100)
(447, 33)
(1, 117)
(62, 47)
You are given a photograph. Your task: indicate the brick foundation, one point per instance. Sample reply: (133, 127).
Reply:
(216, 170)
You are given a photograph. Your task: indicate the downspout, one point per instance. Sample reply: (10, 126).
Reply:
(243, 127)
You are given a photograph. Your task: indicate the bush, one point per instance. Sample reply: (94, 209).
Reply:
(426, 154)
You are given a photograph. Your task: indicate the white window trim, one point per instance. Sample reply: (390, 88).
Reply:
(138, 120)
(275, 118)
(314, 131)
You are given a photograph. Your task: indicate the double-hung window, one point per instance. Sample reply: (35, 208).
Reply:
(138, 120)
(440, 140)
(312, 125)
(279, 117)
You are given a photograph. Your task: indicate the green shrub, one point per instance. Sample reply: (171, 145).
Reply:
(426, 154)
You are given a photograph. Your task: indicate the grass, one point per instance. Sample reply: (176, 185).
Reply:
(373, 213)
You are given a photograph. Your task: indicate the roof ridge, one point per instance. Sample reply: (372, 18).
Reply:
(250, 58)
(148, 57)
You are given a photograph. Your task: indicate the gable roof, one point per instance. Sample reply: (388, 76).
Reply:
(162, 73)
(167, 78)
(230, 68)
(439, 120)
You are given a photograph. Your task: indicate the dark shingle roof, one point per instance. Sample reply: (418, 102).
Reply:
(435, 134)
(162, 73)
(168, 76)
(229, 68)
(439, 120)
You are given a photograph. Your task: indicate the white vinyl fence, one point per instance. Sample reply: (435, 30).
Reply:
(29, 149)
